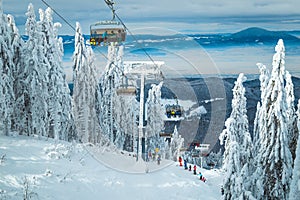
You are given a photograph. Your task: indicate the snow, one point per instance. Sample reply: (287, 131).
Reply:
(61, 170)
(212, 100)
(198, 111)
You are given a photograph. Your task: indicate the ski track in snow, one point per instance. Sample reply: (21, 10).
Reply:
(60, 170)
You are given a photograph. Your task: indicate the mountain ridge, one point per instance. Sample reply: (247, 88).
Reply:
(260, 34)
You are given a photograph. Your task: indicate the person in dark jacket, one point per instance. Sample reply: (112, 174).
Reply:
(185, 164)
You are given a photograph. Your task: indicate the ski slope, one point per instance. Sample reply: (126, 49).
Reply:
(60, 170)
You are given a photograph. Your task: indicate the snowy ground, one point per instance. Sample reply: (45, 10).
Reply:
(65, 171)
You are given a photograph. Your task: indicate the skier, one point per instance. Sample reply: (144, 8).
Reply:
(222, 190)
(190, 168)
(185, 164)
(200, 176)
(195, 170)
(180, 161)
(153, 156)
(158, 159)
(149, 155)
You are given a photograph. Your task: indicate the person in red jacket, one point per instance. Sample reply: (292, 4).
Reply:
(195, 170)
(180, 161)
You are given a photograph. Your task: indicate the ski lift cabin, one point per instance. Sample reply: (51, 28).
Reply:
(106, 32)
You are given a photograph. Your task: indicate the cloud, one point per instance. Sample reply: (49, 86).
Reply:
(175, 13)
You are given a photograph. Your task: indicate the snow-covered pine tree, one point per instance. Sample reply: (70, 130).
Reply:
(52, 56)
(105, 97)
(80, 84)
(176, 144)
(84, 92)
(124, 115)
(67, 124)
(155, 121)
(238, 146)
(295, 184)
(124, 105)
(260, 116)
(6, 73)
(36, 71)
(39, 83)
(18, 118)
(130, 142)
(255, 128)
(29, 62)
(264, 79)
(274, 160)
(110, 80)
(92, 87)
(59, 102)
(291, 116)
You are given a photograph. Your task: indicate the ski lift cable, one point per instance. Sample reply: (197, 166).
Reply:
(64, 19)
(72, 27)
(110, 5)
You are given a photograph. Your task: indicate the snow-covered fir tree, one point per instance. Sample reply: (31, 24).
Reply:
(238, 146)
(124, 112)
(6, 72)
(106, 96)
(37, 76)
(295, 184)
(260, 116)
(84, 92)
(110, 80)
(274, 160)
(124, 116)
(18, 120)
(59, 102)
(291, 116)
(176, 144)
(155, 123)
(29, 62)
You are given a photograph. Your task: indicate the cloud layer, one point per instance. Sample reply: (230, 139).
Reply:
(187, 15)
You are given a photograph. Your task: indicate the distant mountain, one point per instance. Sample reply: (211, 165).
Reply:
(256, 35)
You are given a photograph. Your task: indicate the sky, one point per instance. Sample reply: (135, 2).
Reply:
(188, 16)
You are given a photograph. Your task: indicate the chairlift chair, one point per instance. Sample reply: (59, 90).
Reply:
(126, 91)
(112, 33)
(107, 32)
(126, 88)
(165, 135)
(173, 110)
